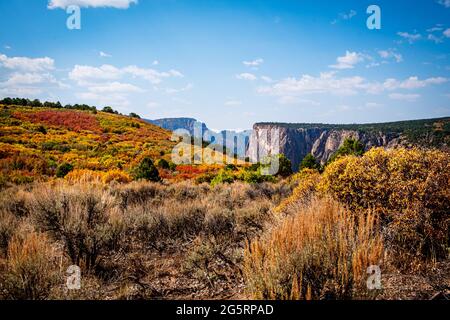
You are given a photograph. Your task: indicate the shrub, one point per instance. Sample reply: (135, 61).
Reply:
(8, 225)
(394, 183)
(29, 272)
(116, 176)
(81, 219)
(309, 162)
(146, 170)
(307, 181)
(163, 164)
(84, 176)
(349, 147)
(284, 165)
(321, 252)
(224, 176)
(63, 170)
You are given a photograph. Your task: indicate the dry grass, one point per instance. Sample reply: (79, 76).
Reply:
(143, 240)
(29, 271)
(321, 252)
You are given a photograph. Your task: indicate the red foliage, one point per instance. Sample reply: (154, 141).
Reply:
(72, 120)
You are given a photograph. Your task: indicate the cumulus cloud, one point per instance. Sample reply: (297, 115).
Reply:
(345, 16)
(306, 84)
(27, 64)
(267, 79)
(330, 83)
(390, 54)
(410, 37)
(87, 74)
(24, 78)
(348, 61)
(116, 87)
(447, 33)
(246, 76)
(435, 38)
(254, 63)
(118, 4)
(104, 54)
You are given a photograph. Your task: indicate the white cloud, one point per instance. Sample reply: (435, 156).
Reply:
(188, 87)
(118, 4)
(411, 38)
(404, 97)
(27, 64)
(447, 33)
(348, 61)
(390, 54)
(246, 76)
(437, 28)
(445, 3)
(21, 92)
(232, 103)
(254, 63)
(435, 39)
(84, 75)
(8, 47)
(412, 83)
(306, 84)
(155, 62)
(104, 54)
(26, 79)
(267, 79)
(345, 16)
(112, 99)
(330, 83)
(115, 87)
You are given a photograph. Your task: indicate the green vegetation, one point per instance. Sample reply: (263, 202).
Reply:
(349, 147)
(146, 170)
(309, 162)
(63, 170)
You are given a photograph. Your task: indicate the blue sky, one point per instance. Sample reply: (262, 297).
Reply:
(233, 63)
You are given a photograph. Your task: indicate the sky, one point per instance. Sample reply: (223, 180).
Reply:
(232, 63)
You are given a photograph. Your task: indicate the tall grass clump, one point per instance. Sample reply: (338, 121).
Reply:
(29, 271)
(322, 251)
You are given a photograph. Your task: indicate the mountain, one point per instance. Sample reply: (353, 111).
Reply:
(322, 140)
(235, 141)
(173, 124)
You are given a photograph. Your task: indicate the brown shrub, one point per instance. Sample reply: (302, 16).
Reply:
(29, 271)
(80, 216)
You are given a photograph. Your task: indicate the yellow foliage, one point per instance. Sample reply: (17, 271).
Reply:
(116, 176)
(84, 175)
(390, 180)
(307, 181)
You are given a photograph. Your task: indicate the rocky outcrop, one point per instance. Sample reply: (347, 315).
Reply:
(321, 142)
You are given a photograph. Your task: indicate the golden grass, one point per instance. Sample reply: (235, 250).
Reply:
(321, 252)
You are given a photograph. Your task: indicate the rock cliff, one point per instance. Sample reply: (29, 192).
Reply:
(321, 140)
